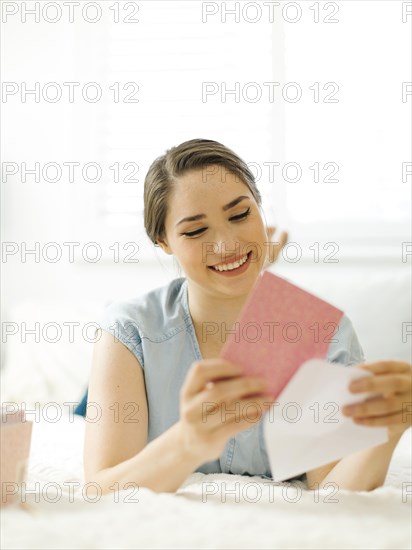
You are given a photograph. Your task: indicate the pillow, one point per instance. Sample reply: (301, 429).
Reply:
(376, 299)
(56, 367)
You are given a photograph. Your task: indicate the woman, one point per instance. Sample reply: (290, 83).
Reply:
(154, 369)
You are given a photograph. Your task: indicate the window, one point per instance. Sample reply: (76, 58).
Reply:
(192, 78)
(331, 165)
(347, 140)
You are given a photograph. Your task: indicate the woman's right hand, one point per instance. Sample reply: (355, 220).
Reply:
(214, 407)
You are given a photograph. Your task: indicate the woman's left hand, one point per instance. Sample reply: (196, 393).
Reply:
(393, 408)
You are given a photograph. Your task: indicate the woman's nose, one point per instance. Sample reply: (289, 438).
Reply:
(226, 246)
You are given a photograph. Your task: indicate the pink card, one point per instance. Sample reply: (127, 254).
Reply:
(279, 328)
(15, 436)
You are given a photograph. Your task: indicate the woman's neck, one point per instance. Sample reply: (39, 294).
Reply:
(212, 314)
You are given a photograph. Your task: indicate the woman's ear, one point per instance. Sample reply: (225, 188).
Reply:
(164, 246)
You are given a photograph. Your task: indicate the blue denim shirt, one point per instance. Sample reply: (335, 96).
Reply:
(157, 328)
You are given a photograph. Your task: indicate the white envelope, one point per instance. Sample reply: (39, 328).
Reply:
(305, 428)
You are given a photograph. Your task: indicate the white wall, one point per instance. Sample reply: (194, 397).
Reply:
(370, 280)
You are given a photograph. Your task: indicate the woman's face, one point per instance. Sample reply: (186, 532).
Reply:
(214, 220)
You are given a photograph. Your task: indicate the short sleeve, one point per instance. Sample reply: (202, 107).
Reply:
(345, 347)
(117, 319)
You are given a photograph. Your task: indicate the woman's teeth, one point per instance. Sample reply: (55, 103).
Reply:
(229, 267)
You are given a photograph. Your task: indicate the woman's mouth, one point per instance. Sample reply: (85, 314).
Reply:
(233, 268)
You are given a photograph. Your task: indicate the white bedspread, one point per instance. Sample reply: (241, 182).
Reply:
(208, 511)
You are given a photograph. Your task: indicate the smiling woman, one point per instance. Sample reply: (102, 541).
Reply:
(154, 371)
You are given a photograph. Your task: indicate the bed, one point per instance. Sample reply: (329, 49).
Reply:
(208, 511)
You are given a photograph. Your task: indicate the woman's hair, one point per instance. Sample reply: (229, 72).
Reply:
(190, 155)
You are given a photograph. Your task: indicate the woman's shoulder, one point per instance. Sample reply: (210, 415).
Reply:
(345, 347)
(153, 314)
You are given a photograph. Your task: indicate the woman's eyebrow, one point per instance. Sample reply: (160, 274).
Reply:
(227, 206)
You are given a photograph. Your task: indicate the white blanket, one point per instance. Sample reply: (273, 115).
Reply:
(208, 511)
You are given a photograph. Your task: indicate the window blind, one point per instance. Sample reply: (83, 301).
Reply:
(177, 77)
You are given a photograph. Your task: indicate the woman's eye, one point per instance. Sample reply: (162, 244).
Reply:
(194, 233)
(238, 217)
(241, 216)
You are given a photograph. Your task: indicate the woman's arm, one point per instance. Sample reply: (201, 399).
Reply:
(367, 469)
(115, 449)
(362, 471)
(161, 466)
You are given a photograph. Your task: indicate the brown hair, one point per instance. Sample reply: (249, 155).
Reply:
(190, 155)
